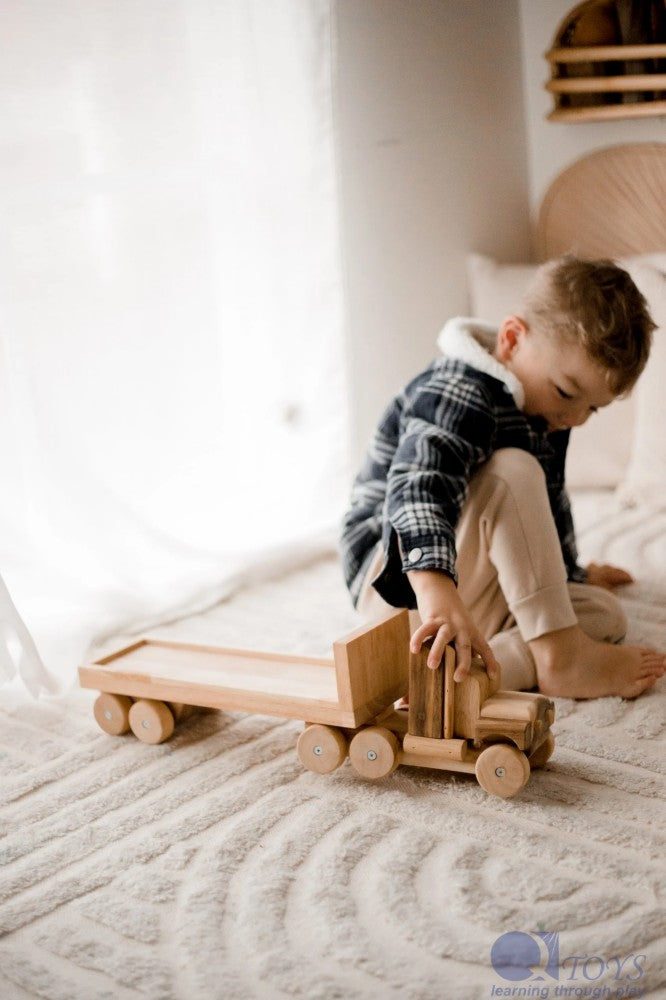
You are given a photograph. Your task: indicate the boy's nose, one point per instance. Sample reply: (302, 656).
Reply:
(577, 417)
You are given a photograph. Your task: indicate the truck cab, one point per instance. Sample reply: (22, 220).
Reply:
(470, 726)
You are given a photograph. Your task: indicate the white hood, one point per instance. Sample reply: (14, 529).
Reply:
(472, 341)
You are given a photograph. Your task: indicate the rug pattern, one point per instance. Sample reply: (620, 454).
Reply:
(214, 867)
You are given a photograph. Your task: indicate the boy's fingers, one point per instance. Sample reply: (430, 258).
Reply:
(417, 639)
(463, 657)
(444, 636)
(488, 657)
(428, 630)
(425, 631)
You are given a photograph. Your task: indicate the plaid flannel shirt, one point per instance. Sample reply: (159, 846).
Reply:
(410, 491)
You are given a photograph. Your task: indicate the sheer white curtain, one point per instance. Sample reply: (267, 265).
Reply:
(172, 404)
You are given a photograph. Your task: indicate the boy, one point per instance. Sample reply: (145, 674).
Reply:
(460, 509)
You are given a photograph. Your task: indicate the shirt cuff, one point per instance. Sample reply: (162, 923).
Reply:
(428, 553)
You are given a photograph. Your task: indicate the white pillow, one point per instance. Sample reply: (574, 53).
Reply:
(600, 451)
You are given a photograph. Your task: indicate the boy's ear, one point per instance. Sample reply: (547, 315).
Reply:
(509, 335)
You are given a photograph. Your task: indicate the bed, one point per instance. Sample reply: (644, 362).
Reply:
(213, 866)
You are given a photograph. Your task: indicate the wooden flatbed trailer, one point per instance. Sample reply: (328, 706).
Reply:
(346, 703)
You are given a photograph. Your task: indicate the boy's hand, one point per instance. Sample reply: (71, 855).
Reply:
(445, 619)
(610, 577)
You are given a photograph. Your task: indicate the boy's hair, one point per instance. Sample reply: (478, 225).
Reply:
(596, 304)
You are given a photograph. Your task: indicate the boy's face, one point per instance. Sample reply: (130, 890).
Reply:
(562, 383)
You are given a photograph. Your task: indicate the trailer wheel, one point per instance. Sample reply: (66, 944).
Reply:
(112, 713)
(374, 752)
(502, 770)
(151, 721)
(321, 748)
(543, 752)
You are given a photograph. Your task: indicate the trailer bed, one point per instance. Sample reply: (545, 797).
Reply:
(344, 691)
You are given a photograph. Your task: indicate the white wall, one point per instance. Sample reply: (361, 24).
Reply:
(432, 165)
(553, 145)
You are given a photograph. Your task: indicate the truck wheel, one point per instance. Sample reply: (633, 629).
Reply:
(543, 752)
(502, 770)
(151, 721)
(374, 752)
(112, 713)
(321, 748)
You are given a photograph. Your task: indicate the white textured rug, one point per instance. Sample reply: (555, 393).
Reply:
(214, 867)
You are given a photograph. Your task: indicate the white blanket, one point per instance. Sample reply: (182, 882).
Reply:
(213, 866)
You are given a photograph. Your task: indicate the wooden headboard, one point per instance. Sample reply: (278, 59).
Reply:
(610, 203)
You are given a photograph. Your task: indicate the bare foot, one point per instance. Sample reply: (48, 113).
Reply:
(571, 665)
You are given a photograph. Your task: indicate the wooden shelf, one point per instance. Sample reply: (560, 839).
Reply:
(605, 53)
(588, 84)
(608, 84)
(608, 112)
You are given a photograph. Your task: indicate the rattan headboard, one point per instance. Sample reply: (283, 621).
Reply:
(610, 203)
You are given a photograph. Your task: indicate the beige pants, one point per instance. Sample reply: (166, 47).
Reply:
(511, 575)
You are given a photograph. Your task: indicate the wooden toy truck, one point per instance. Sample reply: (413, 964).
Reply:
(346, 703)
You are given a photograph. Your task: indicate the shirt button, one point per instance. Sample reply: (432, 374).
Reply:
(415, 555)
